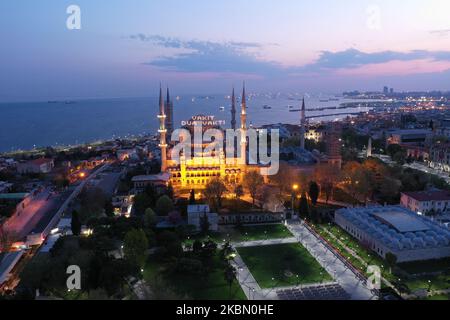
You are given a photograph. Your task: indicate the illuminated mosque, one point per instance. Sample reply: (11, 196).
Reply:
(194, 173)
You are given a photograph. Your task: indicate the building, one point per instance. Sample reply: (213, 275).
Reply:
(440, 157)
(8, 261)
(41, 165)
(19, 200)
(315, 134)
(197, 212)
(5, 186)
(409, 136)
(334, 144)
(126, 154)
(196, 171)
(417, 152)
(396, 230)
(426, 202)
(168, 108)
(160, 180)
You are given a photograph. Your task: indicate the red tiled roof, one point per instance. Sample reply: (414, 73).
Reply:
(439, 195)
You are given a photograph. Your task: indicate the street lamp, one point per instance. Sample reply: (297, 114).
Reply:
(294, 191)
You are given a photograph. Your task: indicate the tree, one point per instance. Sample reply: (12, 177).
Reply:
(170, 192)
(92, 202)
(229, 275)
(164, 205)
(314, 192)
(253, 180)
(204, 224)
(135, 247)
(357, 180)
(226, 251)
(192, 197)
(75, 223)
(150, 218)
(391, 260)
(197, 246)
(327, 177)
(144, 200)
(304, 207)
(392, 149)
(238, 191)
(214, 191)
(108, 207)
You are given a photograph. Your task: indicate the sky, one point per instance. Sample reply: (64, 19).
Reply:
(126, 48)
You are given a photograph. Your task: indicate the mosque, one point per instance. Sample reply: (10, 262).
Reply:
(195, 172)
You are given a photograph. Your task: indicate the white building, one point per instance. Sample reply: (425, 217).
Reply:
(425, 202)
(197, 211)
(396, 230)
(42, 165)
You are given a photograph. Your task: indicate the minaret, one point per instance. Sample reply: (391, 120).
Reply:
(233, 111)
(303, 125)
(162, 131)
(244, 127)
(369, 148)
(169, 113)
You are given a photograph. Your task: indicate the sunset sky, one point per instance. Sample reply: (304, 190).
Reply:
(124, 48)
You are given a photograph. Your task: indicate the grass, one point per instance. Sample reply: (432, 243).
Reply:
(278, 265)
(439, 297)
(426, 266)
(247, 233)
(211, 286)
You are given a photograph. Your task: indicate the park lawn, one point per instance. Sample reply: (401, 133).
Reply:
(438, 282)
(259, 232)
(426, 266)
(278, 265)
(439, 297)
(211, 287)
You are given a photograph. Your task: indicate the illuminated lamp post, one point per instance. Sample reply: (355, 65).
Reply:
(294, 191)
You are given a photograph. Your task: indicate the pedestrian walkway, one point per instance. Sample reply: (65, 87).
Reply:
(349, 280)
(268, 242)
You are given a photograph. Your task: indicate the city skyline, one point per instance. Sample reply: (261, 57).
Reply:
(124, 50)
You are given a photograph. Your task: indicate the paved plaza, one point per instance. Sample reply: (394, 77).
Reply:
(348, 283)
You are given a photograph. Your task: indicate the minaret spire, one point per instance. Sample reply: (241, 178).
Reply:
(162, 131)
(303, 125)
(233, 111)
(169, 114)
(244, 127)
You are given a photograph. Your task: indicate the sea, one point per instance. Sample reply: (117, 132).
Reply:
(24, 126)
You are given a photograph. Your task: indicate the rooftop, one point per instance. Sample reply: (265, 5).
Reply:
(154, 177)
(438, 195)
(401, 221)
(396, 227)
(13, 196)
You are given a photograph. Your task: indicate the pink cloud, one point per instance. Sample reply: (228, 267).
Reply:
(397, 68)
